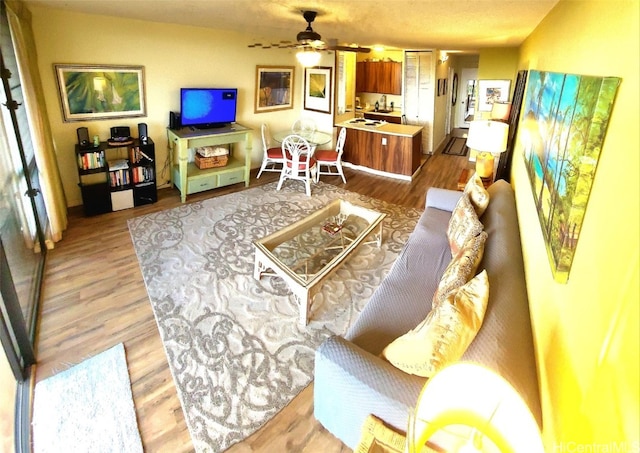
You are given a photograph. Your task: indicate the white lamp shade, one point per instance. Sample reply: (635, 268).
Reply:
(488, 136)
(500, 111)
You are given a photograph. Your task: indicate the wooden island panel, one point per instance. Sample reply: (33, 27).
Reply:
(391, 153)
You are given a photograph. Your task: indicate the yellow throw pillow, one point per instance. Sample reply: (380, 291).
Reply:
(445, 334)
(463, 224)
(462, 267)
(478, 195)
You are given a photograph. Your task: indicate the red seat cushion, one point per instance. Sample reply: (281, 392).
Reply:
(326, 155)
(302, 165)
(274, 153)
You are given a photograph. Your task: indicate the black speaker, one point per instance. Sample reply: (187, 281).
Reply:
(142, 132)
(174, 120)
(83, 137)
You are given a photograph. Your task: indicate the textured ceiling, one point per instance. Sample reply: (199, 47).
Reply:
(406, 24)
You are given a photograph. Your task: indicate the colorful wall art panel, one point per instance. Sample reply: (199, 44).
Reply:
(562, 130)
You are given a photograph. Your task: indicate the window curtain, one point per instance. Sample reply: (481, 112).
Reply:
(50, 181)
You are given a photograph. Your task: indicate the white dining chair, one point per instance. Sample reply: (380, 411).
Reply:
(299, 164)
(304, 126)
(272, 158)
(331, 159)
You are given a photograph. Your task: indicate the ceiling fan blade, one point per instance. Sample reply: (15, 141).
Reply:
(350, 49)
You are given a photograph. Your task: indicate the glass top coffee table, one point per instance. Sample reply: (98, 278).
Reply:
(306, 252)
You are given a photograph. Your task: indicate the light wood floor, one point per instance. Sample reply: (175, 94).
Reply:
(94, 297)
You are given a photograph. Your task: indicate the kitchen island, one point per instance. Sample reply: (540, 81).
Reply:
(387, 149)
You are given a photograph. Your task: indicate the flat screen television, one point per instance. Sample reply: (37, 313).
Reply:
(205, 108)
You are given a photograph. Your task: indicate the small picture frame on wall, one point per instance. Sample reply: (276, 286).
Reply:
(100, 92)
(317, 89)
(490, 91)
(274, 88)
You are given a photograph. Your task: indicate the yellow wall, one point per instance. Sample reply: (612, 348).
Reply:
(501, 64)
(174, 56)
(497, 64)
(587, 330)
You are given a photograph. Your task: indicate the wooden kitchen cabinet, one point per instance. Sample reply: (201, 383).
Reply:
(379, 77)
(362, 77)
(389, 77)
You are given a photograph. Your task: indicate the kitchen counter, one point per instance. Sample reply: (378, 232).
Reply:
(397, 113)
(393, 116)
(386, 149)
(404, 130)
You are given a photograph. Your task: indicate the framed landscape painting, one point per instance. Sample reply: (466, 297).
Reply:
(564, 122)
(274, 88)
(98, 92)
(317, 89)
(490, 91)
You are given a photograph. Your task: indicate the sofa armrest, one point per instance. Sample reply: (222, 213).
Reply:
(350, 384)
(443, 199)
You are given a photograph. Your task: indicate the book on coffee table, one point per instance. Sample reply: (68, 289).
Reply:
(332, 228)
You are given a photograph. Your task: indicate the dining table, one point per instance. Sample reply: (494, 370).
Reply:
(315, 138)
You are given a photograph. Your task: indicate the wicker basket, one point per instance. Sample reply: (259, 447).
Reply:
(211, 162)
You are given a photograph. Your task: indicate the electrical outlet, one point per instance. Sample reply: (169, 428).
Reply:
(384, 141)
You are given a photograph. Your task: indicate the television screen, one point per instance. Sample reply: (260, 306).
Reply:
(208, 107)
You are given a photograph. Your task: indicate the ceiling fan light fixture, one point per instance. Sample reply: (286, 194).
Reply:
(308, 36)
(308, 56)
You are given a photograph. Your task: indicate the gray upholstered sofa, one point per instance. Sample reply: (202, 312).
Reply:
(353, 381)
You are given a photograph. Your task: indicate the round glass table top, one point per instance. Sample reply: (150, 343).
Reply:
(314, 138)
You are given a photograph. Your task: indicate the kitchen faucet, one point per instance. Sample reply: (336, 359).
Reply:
(383, 101)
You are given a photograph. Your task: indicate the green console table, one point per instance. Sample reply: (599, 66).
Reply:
(188, 178)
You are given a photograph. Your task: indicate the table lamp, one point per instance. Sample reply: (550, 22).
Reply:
(468, 408)
(500, 111)
(487, 138)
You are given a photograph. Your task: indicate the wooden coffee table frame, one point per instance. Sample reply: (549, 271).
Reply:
(305, 286)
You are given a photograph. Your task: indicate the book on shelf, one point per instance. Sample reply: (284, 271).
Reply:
(142, 174)
(119, 164)
(119, 178)
(136, 155)
(90, 161)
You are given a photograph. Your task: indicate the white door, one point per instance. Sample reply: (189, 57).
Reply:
(465, 108)
(418, 108)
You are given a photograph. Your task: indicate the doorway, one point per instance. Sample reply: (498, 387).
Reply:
(467, 95)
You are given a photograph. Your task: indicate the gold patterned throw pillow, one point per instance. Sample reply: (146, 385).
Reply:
(463, 224)
(478, 195)
(446, 332)
(462, 267)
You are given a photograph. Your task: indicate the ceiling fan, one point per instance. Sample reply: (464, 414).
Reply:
(309, 38)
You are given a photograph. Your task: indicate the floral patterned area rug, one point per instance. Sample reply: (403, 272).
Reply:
(236, 350)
